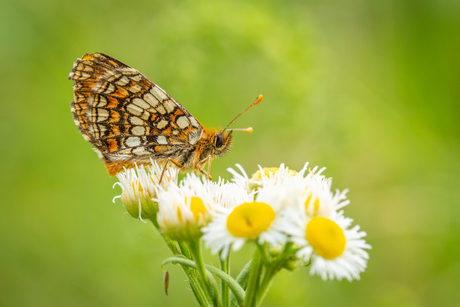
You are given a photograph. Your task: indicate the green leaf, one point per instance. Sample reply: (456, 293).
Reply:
(242, 280)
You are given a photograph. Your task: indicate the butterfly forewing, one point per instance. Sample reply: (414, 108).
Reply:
(125, 115)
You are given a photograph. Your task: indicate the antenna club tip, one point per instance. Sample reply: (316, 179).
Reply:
(247, 130)
(259, 99)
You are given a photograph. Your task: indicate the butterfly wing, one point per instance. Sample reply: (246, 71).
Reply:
(125, 116)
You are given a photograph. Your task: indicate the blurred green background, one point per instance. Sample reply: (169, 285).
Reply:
(369, 89)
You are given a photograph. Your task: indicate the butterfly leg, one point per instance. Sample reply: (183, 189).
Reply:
(209, 164)
(166, 164)
(208, 173)
(205, 173)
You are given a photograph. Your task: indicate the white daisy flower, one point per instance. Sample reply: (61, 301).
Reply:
(335, 251)
(260, 220)
(241, 179)
(224, 193)
(227, 194)
(139, 187)
(316, 195)
(184, 210)
(272, 174)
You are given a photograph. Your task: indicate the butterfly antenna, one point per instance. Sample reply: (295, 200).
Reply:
(248, 130)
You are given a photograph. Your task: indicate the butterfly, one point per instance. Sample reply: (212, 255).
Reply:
(130, 120)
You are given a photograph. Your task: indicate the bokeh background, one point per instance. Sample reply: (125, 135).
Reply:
(369, 89)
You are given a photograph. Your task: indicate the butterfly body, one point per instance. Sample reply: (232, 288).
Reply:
(130, 120)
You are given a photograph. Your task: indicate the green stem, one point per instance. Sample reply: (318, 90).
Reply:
(191, 275)
(224, 267)
(264, 252)
(250, 298)
(211, 287)
(265, 284)
(170, 243)
(242, 280)
(270, 273)
(237, 290)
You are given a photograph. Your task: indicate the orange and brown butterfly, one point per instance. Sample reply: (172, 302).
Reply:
(130, 120)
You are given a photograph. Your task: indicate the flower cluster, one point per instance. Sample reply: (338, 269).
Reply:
(292, 217)
(309, 215)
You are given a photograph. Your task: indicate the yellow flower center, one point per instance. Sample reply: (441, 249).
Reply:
(139, 190)
(267, 171)
(249, 220)
(315, 203)
(326, 237)
(196, 206)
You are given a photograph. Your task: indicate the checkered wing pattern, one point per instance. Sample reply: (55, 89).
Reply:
(126, 116)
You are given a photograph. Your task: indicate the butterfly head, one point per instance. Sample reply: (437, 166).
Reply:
(221, 142)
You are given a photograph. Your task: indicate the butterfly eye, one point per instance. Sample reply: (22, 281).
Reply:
(219, 140)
